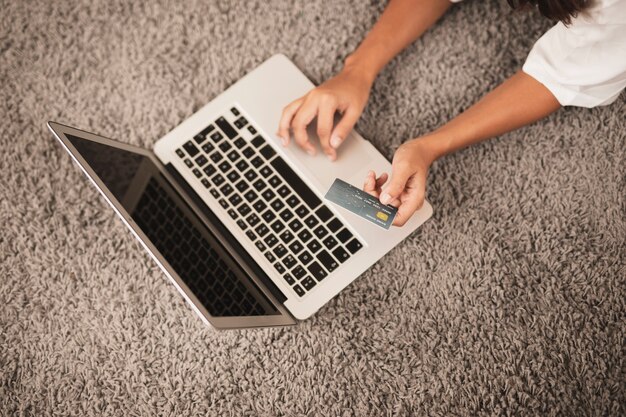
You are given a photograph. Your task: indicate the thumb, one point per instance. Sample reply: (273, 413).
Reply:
(400, 174)
(344, 127)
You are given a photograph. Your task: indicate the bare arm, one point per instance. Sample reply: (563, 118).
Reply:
(401, 23)
(518, 101)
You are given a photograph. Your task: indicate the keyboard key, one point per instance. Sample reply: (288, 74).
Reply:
(302, 211)
(265, 171)
(298, 272)
(280, 250)
(262, 230)
(278, 226)
(241, 122)
(258, 141)
(275, 181)
(252, 130)
(251, 235)
(296, 182)
(208, 148)
(330, 242)
(233, 176)
(298, 290)
(206, 183)
(289, 279)
(295, 225)
(289, 261)
(248, 152)
(328, 261)
(270, 240)
(308, 283)
(199, 138)
(268, 195)
(242, 165)
(239, 143)
(244, 209)
(225, 146)
(269, 216)
(223, 203)
(259, 184)
(191, 149)
(296, 247)
(180, 153)
(317, 271)
(233, 155)
(216, 137)
(216, 157)
(253, 219)
(224, 166)
(214, 193)
(250, 175)
(305, 235)
(305, 257)
(276, 204)
(256, 161)
(209, 170)
(324, 213)
(201, 160)
(286, 215)
(341, 254)
(283, 191)
(226, 189)
(250, 196)
(197, 172)
(259, 206)
(320, 232)
(311, 221)
(235, 199)
(279, 267)
(268, 152)
(334, 225)
(286, 236)
(242, 186)
(207, 130)
(226, 127)
(188, 163)
(260, 246)
(270, 257)
(314, 246)
(353, 246)
(344, 235)
(234, 111)
(242, 224)
(292, 201)
(218, 180)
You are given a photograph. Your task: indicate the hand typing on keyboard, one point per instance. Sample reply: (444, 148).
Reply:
(346, 93)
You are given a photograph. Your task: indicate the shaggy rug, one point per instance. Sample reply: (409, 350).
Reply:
(511, 300)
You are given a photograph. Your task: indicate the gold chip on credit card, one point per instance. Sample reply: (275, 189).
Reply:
(382, 216)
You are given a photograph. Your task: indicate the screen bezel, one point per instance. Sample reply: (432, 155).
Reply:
(283, 318)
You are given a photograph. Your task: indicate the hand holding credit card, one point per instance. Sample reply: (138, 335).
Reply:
(361, 203)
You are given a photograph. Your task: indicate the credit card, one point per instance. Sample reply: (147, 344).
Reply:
(361, 203)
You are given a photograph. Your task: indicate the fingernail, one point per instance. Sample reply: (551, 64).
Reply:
(385, 198)
(310, 150)
(335, 141)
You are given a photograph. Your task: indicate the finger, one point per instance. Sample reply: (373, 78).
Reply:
(301, 120)
(381, 181)
(285, 120)
(325, 118)
(369, 186)
(401, 172)
(345, 125)
(411, 202)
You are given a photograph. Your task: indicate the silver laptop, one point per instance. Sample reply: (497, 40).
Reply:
(237, 222)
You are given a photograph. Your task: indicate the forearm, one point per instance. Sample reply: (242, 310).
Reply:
(518, 101)
(402, 22)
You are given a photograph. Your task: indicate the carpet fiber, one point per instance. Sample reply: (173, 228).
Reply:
(509, 301)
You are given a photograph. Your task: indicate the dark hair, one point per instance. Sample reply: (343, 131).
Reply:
(561, 10)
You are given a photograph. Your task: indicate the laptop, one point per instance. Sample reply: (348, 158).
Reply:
(238, 223)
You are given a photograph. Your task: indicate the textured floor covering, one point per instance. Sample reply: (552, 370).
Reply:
(509, 301)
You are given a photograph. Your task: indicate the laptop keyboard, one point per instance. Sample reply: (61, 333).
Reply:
(295, 231)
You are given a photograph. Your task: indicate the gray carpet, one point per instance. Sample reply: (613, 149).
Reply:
(509, 301)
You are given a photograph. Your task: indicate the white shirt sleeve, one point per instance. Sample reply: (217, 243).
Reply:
(584, 64)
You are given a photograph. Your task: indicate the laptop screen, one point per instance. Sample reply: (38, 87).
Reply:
(182, 239)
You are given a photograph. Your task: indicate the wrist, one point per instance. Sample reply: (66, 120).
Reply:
(433, 146)
(356, 65)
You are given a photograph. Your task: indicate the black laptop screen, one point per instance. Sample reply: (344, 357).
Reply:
(182, 239)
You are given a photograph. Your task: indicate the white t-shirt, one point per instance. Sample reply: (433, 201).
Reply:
(583, 64)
